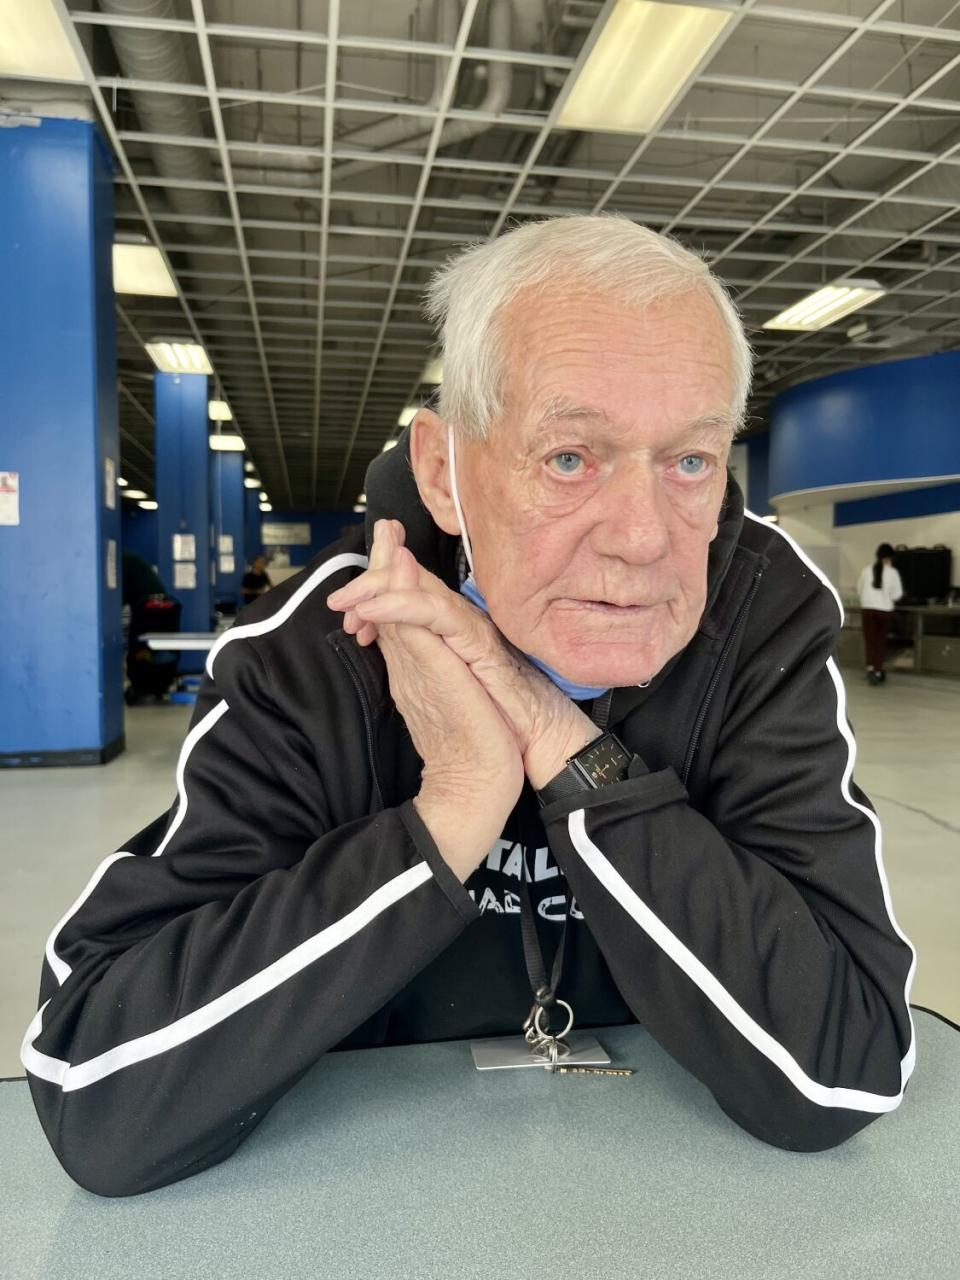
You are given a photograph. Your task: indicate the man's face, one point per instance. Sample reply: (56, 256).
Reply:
(592, 503)
(259, 564)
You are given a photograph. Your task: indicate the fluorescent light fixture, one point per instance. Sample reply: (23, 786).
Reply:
(265, 506)
(34, 42)
(121, 483)
(433, 371)
(149, 505)
(408, 415)
(219, 411)
(828, 304)
(225, 442)
(358, 507)
(390, 444)
(172, 356)
(140, 268)
(264, 496)
(134, 493)
(362, 497)
(251, 482)
(639, 60)
(248, 465)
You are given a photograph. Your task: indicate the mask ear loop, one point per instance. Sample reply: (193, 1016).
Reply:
(456, 497)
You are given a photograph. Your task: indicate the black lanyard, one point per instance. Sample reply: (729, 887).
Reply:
(544, 993)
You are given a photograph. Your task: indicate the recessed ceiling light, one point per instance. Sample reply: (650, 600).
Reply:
(170, 355)
(433, 371)
(219, 411)
(149, 505)
(224, 442)
(34, 42)
(390, 444)
(639, 59)
(134, 493)
(248, 465)
(140, 268)
(826, 305)
(265, 506)
(251, 482)
(408, 415)
(121, 483)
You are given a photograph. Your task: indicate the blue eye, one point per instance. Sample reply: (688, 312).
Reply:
(693, 457)
(576, 458)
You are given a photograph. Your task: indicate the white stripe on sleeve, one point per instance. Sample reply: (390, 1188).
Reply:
(77, 1076)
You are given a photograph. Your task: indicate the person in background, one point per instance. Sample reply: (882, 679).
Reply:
(879, 589)
(255, 582)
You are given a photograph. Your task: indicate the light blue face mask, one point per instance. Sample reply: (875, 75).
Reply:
(469, 588)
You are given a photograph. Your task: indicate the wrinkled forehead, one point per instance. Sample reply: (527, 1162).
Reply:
(625, 375)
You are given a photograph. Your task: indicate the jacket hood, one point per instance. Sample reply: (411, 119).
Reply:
(392, 494)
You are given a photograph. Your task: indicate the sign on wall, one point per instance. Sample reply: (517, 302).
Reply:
(284, 535)
(9, 497)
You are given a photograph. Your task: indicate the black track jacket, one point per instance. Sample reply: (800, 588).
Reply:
(730, 895)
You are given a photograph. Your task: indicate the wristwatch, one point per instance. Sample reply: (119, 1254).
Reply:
(600, 763)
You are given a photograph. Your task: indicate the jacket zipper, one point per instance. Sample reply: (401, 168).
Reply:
(367, 721)
(715, 678)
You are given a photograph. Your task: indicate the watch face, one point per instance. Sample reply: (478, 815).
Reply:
(604, 762)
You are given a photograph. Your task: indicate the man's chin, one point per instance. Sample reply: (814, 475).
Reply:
(606, 664)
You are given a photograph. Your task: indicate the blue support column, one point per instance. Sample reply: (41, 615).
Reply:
(61, 654)
(251, 524)
(226, 477)
(183, 494)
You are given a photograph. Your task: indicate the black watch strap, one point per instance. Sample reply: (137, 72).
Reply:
(601, 762)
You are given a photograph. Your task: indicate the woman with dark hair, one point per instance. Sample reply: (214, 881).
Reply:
(879, 588)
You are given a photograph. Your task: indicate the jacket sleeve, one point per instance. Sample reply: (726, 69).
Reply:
(755, 939)
(208, 964)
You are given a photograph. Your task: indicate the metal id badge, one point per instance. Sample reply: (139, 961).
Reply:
(515, 1051)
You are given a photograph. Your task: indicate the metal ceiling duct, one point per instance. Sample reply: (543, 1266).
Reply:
(403, 133)
(159, 55)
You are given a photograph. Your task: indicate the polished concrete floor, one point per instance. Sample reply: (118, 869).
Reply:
(58, 824)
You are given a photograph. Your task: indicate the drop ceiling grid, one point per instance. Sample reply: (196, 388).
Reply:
(263, 305)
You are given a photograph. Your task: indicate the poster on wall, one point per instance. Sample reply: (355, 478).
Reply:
(225, 545)
(273, 534)
(227, 564)
(184, 577)
(9, 497)
(184, 546)
(111, 565)
(110, 483)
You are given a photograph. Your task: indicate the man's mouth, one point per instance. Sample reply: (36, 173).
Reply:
(612, 609)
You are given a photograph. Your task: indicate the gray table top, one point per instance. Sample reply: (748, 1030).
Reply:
(408, 1163)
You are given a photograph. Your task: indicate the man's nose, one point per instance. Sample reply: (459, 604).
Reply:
(632, 518)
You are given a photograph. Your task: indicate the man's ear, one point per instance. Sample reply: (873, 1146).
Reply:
(428, 457)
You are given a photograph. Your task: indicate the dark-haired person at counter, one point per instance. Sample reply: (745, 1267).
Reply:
(256, 581)
(879, 588)
(561, 677)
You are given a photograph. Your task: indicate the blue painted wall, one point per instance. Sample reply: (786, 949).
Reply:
(139, 533)
(183, 489)
(758, 475)
(937, 500)
(251, 525)
(885, 422)
(61, 681)
(227, 509)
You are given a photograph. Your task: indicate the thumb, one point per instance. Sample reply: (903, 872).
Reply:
(404, 570)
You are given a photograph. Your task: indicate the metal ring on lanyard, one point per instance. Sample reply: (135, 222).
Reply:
(545, 1035)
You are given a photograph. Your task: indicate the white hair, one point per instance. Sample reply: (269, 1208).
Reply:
(605, 252)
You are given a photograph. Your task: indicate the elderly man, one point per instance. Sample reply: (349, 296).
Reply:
(582, 718)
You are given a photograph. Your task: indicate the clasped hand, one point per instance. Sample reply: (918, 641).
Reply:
(471, 700)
